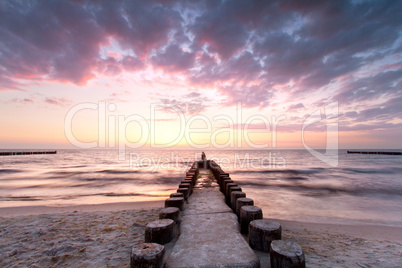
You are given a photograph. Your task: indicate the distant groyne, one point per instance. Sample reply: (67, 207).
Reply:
(27, 153)
(370, 152)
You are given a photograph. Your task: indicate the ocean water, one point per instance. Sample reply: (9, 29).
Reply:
(286, 184)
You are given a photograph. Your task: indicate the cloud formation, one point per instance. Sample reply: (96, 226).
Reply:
(248, 51)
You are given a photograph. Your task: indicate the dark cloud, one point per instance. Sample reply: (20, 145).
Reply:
(61, 40)
(58, 40)
(386, 83)
(173, 58)
(111, 66)
(369, 127)
(331, 39)
(383, 112)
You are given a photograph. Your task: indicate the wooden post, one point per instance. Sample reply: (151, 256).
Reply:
(223, 185)
(223, 176)
(160, 231)
(188, 181)
(226, 192)
(286, 253)
(185, 191)
(248, 214)
(233, 198)
(147, 255)
(186, 185)
(172, 213)
(177, 195)
(243, 202)
(177, 202)
(262, 233)
(191, 175)
(229, 195)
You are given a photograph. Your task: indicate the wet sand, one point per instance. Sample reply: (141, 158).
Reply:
(102, 236)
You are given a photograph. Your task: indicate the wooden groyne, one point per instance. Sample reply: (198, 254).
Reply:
(370, 152)
(209, 222)
(27, 153)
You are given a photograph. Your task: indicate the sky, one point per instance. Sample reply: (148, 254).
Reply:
(201, 74)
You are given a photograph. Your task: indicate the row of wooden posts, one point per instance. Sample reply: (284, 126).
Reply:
(263, 234)
(164, 230)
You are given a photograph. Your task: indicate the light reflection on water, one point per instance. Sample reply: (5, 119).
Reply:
(287, 184)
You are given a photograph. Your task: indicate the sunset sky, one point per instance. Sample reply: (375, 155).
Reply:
(204, 74)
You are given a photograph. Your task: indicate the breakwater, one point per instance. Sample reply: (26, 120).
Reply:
(370, 152)
(27, 153)
(209, 222)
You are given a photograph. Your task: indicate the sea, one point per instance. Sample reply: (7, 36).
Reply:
(286, 184)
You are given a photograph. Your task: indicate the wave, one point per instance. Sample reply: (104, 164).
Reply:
(10, 171)
(20, 198)
(296, 178)
(118, 171)
(167, 180)
(69, 197)
(371, 170)
(91, 182)
(325, 190)
(105, 171)
(76, 166)
(312, 171)
(284, 171)
(67, 172)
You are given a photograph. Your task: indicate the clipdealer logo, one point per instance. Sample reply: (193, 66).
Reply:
(112, 129)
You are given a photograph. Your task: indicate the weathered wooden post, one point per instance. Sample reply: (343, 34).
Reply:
(191, 174)
(233, 198)
(248, 214)
(223, 176)
(226, 192)
(192, 183)
(172, 213)
(177, 195)
(190, 177)
(262, 232)
(242, 201)
(286, 254)
(186, 185)
(177, 202)
(147, 255)
(223, 185)
(160, 231)
(185, 192)
(229, 194)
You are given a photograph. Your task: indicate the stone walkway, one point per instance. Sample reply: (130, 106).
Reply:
(210, 235)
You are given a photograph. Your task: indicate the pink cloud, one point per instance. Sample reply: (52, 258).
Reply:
(57, 101)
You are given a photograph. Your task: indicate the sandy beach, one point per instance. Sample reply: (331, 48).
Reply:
(102, 236)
